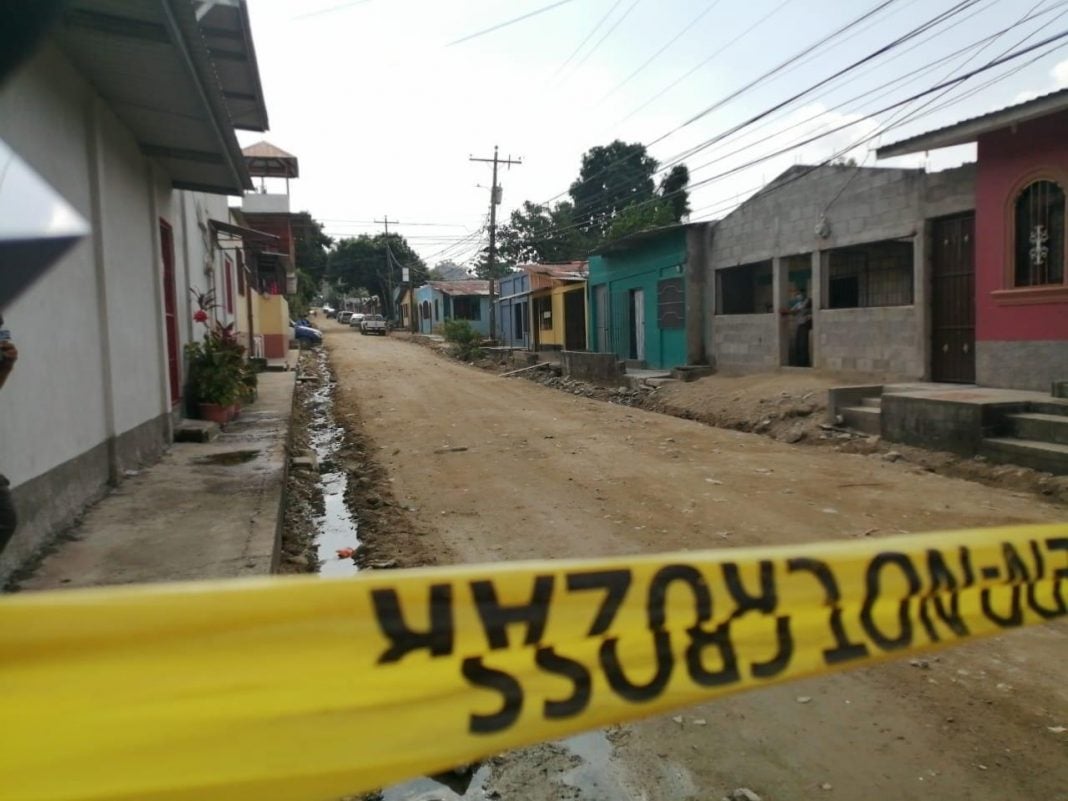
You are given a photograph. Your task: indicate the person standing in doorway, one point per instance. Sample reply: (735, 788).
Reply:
(801, 312)
(9, 354)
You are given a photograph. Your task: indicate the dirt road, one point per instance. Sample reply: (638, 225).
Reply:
(548, 475)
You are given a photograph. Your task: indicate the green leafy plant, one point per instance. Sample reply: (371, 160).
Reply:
(217, 370)
(465, 341)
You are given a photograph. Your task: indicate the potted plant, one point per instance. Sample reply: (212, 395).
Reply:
(217, 369)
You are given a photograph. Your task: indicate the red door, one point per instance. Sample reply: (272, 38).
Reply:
(170, 312)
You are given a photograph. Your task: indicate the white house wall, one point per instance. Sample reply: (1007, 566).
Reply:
(90, 396)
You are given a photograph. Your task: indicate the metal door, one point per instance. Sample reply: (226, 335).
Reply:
(604, 340)
(638, 317)
(953, 299)
(575, 320)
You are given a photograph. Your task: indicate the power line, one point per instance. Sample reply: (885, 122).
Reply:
(936, 88)
(589, 35)
(513, 21)
(735, 94)
(687, 27)
(607, 33)
(686, 75)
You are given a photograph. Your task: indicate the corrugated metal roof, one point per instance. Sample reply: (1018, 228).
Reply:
(150, 63)
(563, 271)
(228, 35)
(471, 287)
(970, 130)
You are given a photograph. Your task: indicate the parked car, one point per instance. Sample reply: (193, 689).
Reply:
(329, 312)
(373, 324)
(343, 317)
(306, 334)
(356, 319)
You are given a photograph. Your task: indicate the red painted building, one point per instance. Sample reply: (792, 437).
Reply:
(1020, 251)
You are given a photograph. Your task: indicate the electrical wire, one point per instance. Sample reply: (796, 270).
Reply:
(607, 33)
(513, 21)
(708, 59)
(685, 29)
(589, 36)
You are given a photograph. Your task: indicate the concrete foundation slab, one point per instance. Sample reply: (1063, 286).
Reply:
(206, 510)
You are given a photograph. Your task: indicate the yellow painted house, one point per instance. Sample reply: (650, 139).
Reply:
(558, 305)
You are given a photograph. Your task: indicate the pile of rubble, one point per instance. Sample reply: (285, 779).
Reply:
(624, 396)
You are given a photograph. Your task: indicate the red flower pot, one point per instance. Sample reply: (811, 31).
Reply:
(215, 413)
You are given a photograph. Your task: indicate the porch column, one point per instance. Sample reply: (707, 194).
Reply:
(818, 291)
(920, 295)
(779, 294)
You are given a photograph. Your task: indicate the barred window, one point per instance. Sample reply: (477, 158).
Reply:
(876, 274)
(745, 290)
(1040, 223)
(670, 304)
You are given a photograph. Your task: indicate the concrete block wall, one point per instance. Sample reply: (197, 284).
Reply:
(884, 341)
(857, 207)
(746, 342)
(1021, 365)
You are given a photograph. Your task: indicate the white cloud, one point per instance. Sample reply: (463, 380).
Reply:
(1060, 74)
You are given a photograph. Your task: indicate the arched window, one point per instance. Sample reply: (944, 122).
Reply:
(1040, 222)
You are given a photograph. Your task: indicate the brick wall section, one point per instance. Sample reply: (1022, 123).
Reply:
(746, 342)
(884, 341)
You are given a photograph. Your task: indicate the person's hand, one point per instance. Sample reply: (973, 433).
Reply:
(10, 355)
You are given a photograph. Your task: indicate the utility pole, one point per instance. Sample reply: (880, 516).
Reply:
(390, 310)
(495, 199)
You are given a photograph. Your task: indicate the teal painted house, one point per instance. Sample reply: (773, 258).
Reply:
(646, 296)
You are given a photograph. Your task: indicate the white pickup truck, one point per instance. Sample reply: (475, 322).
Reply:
(373, 324)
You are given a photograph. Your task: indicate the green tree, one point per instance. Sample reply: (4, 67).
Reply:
(311, 247)
(448, 271)
(502, 265)
(537, 233)
(611, 178)
(362, 262)
(640, 218)
(673, 191)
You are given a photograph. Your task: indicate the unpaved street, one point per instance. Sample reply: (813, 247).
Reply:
(549, 475)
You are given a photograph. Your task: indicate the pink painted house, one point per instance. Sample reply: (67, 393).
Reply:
(1018, 252)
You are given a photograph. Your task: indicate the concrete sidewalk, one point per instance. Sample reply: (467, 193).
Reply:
(206, 510)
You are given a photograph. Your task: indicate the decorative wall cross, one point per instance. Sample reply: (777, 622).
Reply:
(1039, 250)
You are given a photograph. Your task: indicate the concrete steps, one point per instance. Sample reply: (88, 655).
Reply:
(1049, 457)
(1035, 438)
(1039, 426)
(866, 417)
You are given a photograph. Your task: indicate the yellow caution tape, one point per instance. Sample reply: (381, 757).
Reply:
(308, 689)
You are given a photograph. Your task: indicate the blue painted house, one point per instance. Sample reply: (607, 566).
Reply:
(513, 310)
(439, 301)
(646, 296)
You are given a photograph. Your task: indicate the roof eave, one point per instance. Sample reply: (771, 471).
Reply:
(246, 27)
(968, 131)
(181, 18)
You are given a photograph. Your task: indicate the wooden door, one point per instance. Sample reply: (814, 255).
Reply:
(953, 299)
(170, 313)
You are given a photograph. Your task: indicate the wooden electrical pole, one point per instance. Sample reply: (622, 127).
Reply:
(495, 199)
(391, 312)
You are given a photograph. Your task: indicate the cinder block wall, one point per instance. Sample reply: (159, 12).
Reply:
(886, 341)
(858, 206)
(746, 342)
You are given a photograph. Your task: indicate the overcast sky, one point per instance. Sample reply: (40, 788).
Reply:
(383, 110)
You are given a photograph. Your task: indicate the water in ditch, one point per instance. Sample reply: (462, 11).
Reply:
(337, 528)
